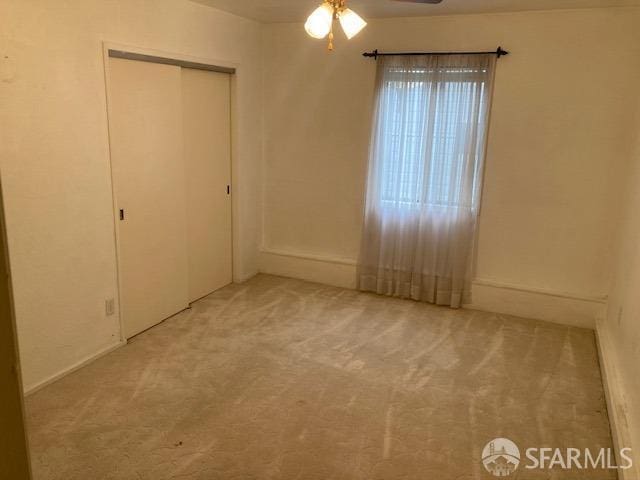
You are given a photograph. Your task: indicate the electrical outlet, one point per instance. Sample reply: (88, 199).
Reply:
(109, 306)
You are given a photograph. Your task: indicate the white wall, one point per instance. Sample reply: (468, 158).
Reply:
(619, 334)
(55, 158)
(560, 135)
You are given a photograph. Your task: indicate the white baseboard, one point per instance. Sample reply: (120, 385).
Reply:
(565, 308)
(31, 389)
(245, 277)
(617, 405)
(339, 272)
(558, 307)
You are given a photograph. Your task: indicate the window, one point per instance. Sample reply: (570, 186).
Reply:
(428, 120)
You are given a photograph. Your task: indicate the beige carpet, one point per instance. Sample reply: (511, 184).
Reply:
(279, 378)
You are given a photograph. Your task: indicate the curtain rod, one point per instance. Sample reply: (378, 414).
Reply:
(375, 54)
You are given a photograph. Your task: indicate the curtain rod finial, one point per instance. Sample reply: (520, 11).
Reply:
(373, 54)
(500, 52)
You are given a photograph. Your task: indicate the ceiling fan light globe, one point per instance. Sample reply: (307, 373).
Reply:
(351, 22)
(318, 24)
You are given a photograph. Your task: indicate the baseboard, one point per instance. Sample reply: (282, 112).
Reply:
(558, 307)
(617, 405)
(552, 306)
(245, 277)
(31, 389)
(336, 271)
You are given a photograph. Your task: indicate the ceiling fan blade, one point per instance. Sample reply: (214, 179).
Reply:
(419, 1)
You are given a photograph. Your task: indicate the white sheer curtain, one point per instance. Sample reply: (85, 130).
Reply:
(425, 176)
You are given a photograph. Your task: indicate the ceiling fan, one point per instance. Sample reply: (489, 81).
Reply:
(320, 22)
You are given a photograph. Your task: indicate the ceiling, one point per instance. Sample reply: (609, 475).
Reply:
(274, 11)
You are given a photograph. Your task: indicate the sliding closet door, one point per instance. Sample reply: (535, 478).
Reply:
(207, 147)
(146, 128)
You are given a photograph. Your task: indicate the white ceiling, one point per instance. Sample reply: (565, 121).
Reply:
(273, 11)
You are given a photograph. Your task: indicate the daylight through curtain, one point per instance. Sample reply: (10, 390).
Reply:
(425, 176)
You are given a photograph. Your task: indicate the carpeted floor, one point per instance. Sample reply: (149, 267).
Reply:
(284, 379)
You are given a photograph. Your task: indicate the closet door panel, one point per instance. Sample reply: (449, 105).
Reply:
(206, 99)
(146, 132)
